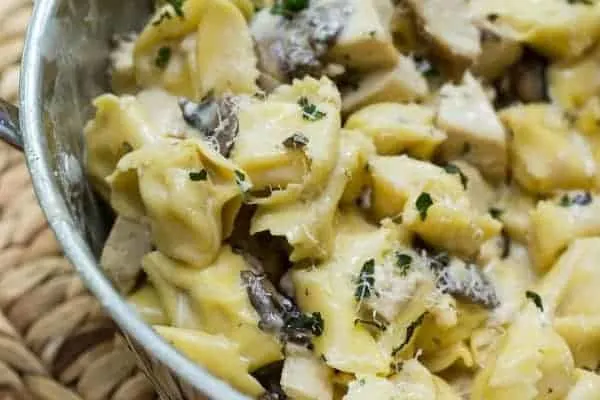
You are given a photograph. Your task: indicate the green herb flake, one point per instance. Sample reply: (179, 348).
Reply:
(296, 141)
(307, 322)
(496, 213)
(424, 201)
(361, 382)
(453, 169)
(288, 8)
(403, 262)
(375, 324)
(309, 110)
(537, 300)
(584, 2)
(177, 7)
(241, 181)
(580, 199)
(201, 175)
(163, 57)
(366, 281)
(410, 332)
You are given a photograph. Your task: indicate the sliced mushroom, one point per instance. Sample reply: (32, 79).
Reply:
(467, 282)
(278, 314)
(294, 47)
(122, 255)
(215, 119)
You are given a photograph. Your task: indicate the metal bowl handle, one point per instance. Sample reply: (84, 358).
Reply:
(9, 125)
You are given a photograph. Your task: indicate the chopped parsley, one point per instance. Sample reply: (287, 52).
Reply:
(410, 332)
(296, 141)
(288, 8)
(496, 213)
(163, 57)
(201, 175)
(453, 169)
(375, 324)
(537, 300)
(584, 2)
(580, 199)
(403, 262)
(313, 323)
(424, 201)
(309, 110)
(366, 281)
(177, 7)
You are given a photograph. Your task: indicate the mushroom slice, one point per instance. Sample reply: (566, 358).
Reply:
(122, 255)
(278, 314)
(216, 119)
(466, 281)
(449, 26)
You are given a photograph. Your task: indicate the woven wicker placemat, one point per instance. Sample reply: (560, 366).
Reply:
(55, 341)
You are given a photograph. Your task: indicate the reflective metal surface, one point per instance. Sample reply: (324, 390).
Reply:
(63, 69)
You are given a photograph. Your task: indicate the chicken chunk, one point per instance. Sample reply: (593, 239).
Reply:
(474, 130)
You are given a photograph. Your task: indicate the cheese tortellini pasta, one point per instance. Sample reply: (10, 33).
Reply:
(361, 199)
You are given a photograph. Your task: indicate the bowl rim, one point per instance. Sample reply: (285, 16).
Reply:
(64, 226)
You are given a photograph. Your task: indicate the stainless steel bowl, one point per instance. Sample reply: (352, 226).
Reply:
(63, 68)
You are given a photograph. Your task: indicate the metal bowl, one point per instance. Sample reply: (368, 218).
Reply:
(64, 67)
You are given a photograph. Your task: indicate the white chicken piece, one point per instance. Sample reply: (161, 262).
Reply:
(449, 26)
(401, 83)
(475, 132)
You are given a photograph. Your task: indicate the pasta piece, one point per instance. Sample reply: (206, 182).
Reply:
(308, 109)
(308, 223)
(187, 191)
(547, 26)
(402, 82)
(358, 173)
(582, 334)
(396, 178)
(122, 254)
(572, 84)
(457, 354)
(441, 213)
(146, 302)
(556, 223)
(397, 128)
(331, 289)
(532, 362)
(216, 353)
(587, 386)
(123, 124)
(304, 376)
(413, 381)
(511, 277)
(221, 301)
(484, 343)
(365, 42)
(474, 131)
(481, 194)
(175, 303)
(514, 207)
(450, 28)
(170, 65)
(540, 133)
(225, 52)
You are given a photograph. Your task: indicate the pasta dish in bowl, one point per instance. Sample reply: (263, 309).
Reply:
(354, 199)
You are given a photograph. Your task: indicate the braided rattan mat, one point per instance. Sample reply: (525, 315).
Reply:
(55, 341)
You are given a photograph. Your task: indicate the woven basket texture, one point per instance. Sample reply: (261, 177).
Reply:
(55, 341)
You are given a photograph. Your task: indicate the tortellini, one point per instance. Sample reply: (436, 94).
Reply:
(187, 192)
(361, 199)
